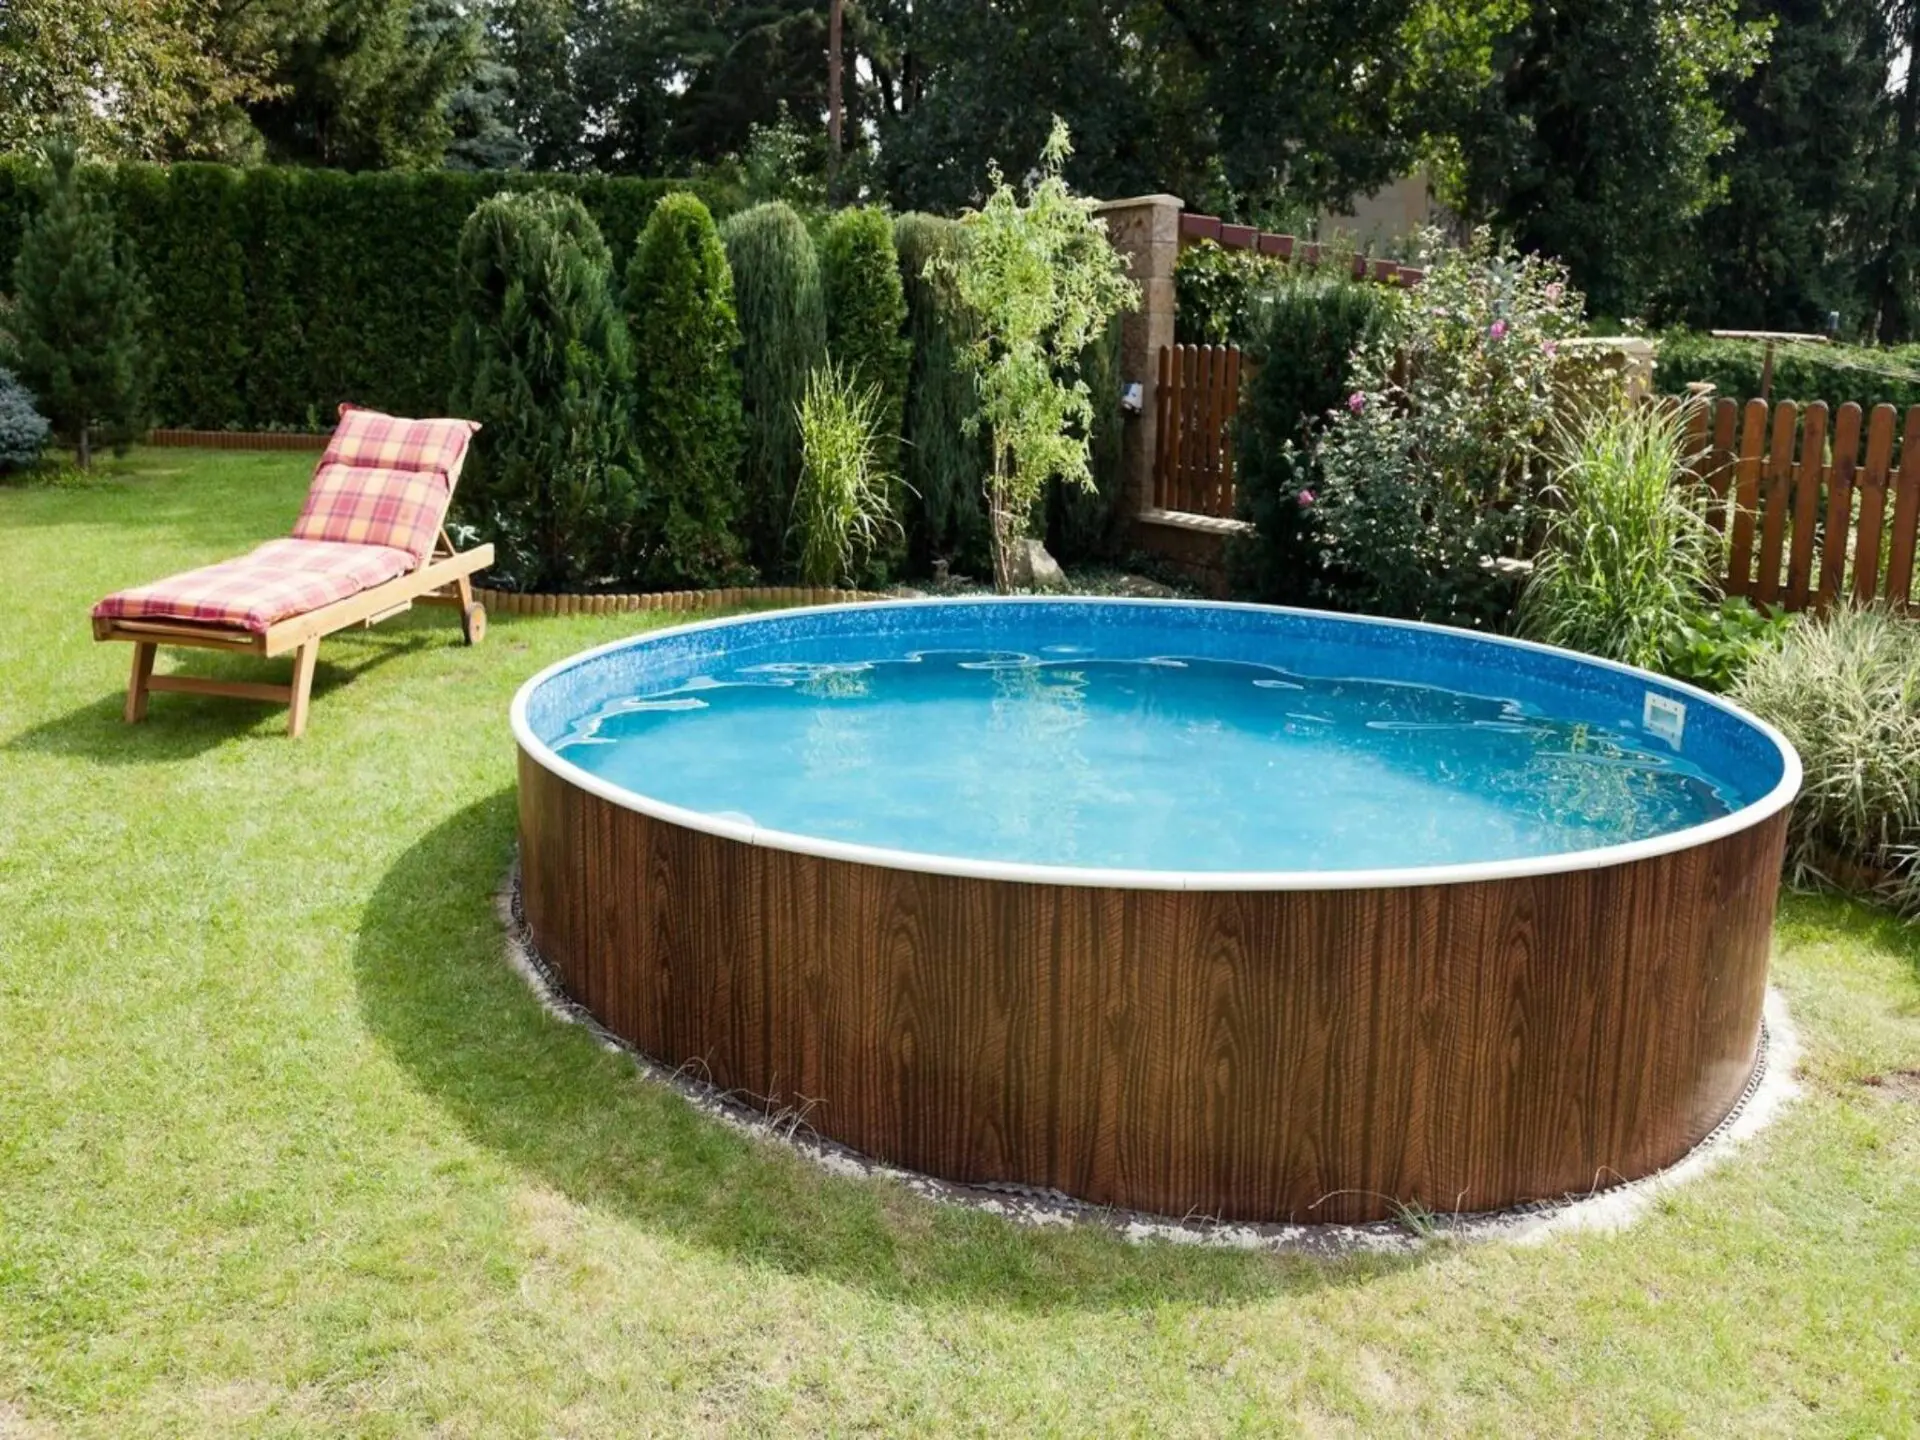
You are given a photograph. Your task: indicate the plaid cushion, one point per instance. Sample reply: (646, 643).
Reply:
(385, 481)
(281, 578)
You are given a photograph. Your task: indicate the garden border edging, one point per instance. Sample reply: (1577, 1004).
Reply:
(527, 602)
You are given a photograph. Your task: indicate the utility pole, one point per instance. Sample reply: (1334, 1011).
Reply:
(834, 18)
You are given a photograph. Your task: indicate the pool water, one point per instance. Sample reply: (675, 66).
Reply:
(1061, 757)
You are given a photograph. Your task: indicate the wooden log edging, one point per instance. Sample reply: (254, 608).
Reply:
(236, 440)
(518, 602)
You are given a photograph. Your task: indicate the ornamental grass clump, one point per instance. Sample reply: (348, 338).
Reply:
(1627, 556)
(866, 336)
(1845, 689)
(842, 508)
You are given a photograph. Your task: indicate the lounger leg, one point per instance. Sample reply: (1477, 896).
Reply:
(136, 710)
(302, 687)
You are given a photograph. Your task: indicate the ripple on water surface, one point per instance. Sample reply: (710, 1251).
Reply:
(1059, 758)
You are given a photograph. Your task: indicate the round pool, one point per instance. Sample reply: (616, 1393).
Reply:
(1197, 909)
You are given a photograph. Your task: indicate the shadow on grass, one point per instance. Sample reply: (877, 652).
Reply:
(179, 726)
(436, 990)
(1857, 922)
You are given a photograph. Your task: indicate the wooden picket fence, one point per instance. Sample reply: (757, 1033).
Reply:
(1197, 393)
(1809, 517)
(1816, 504)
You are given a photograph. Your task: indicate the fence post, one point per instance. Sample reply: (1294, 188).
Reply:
(1146, 229)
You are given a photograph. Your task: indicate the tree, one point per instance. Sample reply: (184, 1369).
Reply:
(77, 317)
(783, 339)
(1785, 244)
(944, 462)
(1596, 142)
(141, 78)
(1894, 275)
(357, 84)
(542, 361)
(866, 322)
(679, 304)
(1043, 280)
(1221, 102)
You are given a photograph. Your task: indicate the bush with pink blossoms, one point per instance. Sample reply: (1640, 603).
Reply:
(1430, 474)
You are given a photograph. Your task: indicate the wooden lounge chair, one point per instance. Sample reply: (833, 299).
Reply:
(369, 544)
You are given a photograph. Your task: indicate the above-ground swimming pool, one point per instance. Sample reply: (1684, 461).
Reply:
(1185, 908)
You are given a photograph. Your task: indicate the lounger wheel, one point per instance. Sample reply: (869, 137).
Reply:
(473, 623)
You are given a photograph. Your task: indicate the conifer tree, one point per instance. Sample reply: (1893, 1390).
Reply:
(866, 323)
(783, 339)
(78, 316)
(679, 304)
(543, 362)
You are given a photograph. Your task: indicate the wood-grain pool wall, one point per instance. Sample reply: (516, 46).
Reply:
(1309, 1055)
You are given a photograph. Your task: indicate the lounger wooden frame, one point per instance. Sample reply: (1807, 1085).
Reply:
(444, 578)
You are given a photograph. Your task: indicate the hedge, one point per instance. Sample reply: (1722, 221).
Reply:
(1801, 372)
(279, 291)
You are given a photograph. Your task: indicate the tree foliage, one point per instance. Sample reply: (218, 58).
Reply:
(679, 304)
(1784, 245)
(1042, 281)
(783, 340)
(542, 360)
(78, 314)
(1597, 142)
(143, 78)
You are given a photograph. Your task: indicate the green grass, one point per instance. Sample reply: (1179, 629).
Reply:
(286, 1149)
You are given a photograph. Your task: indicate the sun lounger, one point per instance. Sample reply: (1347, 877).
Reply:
(369, 544)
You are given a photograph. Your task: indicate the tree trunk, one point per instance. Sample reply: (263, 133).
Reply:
(83, 452)
(834, 10)
(999, 523)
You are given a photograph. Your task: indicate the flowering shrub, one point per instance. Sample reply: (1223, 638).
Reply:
(1431, 471)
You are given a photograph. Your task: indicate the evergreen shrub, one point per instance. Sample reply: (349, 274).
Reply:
(23, 429)
(866, 323)
(944, 464)
(542, 360)
(1302, 335)
(77, 320)
(783, 340)
(687, 421)
(1081, 519)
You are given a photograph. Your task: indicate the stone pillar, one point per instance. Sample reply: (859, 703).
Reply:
(1146, 229)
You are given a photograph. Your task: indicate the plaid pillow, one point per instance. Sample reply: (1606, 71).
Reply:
(385, 481)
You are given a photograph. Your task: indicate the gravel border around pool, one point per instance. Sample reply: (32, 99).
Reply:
(1608, 1207)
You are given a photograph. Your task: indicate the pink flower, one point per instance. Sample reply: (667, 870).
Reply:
(1497, 330)
(1555, 290)
(1356, 402)
(1305, 498)
(1552, 349)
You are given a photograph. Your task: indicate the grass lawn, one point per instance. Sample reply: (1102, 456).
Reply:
(286, 1149)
